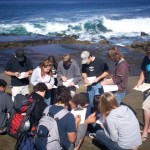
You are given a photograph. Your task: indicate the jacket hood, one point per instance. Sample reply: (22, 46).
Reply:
(120, 112)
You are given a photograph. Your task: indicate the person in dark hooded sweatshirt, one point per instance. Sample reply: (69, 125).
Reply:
(38, 94)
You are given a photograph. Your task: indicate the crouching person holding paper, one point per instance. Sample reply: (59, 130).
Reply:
(120, 76)
(120, 128)
(68, 73)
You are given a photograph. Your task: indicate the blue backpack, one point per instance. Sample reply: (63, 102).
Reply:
(25, 141)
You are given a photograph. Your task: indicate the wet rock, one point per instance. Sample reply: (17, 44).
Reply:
(105, 42)
(144, 34)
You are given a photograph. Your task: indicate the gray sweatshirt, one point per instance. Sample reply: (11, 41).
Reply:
(72, 72)
(123, 128)
(6, 106)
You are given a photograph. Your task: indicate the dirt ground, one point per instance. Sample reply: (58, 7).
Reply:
(133, 99)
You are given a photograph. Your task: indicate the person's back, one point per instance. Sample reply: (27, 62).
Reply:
(65, 125)
(124, 127)
(38, 95)
(6, 106)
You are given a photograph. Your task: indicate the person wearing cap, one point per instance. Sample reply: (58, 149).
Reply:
(19, 67)
(6, 106)
(68, 69)
(93, 67)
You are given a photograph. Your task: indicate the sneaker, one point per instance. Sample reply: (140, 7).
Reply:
(92, 135)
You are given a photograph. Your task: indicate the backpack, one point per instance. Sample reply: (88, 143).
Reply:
(20, 120)
(47, 132)
(25, 141)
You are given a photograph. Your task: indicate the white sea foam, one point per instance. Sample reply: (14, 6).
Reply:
(92, 29)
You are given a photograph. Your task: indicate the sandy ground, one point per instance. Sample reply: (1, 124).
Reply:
(133, 99)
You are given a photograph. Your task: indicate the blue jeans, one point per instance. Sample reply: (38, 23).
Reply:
(47, 98)
(105, 141)
(92, 90)
(119, 96)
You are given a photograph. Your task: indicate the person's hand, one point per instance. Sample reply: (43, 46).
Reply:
(71, 84)
(49, 86)
(26, 75)
(103, 82)
(96, 80)
(91, 119)
(64, 79)
(16, 74)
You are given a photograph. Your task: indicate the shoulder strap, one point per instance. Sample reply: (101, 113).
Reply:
(46, 111)
(58, 115)
(61, 114)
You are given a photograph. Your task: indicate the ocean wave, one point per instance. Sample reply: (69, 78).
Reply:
(92, 29)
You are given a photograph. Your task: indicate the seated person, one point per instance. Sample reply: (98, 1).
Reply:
(81, 100)
(6, 106)
(146, 108)
(121, 128)
(38, 94)
(68, 125)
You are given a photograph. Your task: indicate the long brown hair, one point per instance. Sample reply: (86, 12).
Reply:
(107, 103)
(43, 65)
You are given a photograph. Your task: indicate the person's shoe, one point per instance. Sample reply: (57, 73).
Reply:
(92, 135)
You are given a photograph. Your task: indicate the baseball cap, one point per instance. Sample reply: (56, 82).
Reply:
(85, 55)
(20, 54)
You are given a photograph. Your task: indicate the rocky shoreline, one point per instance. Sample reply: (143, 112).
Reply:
(140, 46)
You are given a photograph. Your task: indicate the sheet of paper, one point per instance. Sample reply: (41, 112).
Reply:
(110, 88)
(100, 119)
(91, 79)
(21, 76)
(143, 87)
(82, 113)
(68, 82)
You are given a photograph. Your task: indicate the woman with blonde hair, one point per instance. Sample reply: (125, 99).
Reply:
(43, 73)
(120, 128)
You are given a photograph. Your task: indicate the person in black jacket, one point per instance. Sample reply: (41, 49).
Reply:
(6, 106)
(38, 95)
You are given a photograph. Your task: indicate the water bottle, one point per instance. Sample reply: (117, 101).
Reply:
(27, 125)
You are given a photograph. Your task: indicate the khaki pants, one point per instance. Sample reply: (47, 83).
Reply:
(19, 90)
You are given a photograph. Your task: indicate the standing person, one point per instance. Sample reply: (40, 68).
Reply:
(145, 69)
(121, 73)
(54, 71)
(19, 67)
(93, 66)
(121, 127)
(6, 106)
(43, 73)
(68, 69)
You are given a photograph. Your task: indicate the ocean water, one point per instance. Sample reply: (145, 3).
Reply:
(119, 21)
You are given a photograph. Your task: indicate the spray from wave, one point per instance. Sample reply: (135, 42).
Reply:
(92, 29)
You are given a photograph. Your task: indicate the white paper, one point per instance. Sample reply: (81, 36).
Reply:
(110, 88)
(100, 119)
(67, 83)
(143, 87)
(54, 87)
(91, 79)
(82, 114)
(21, 76)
